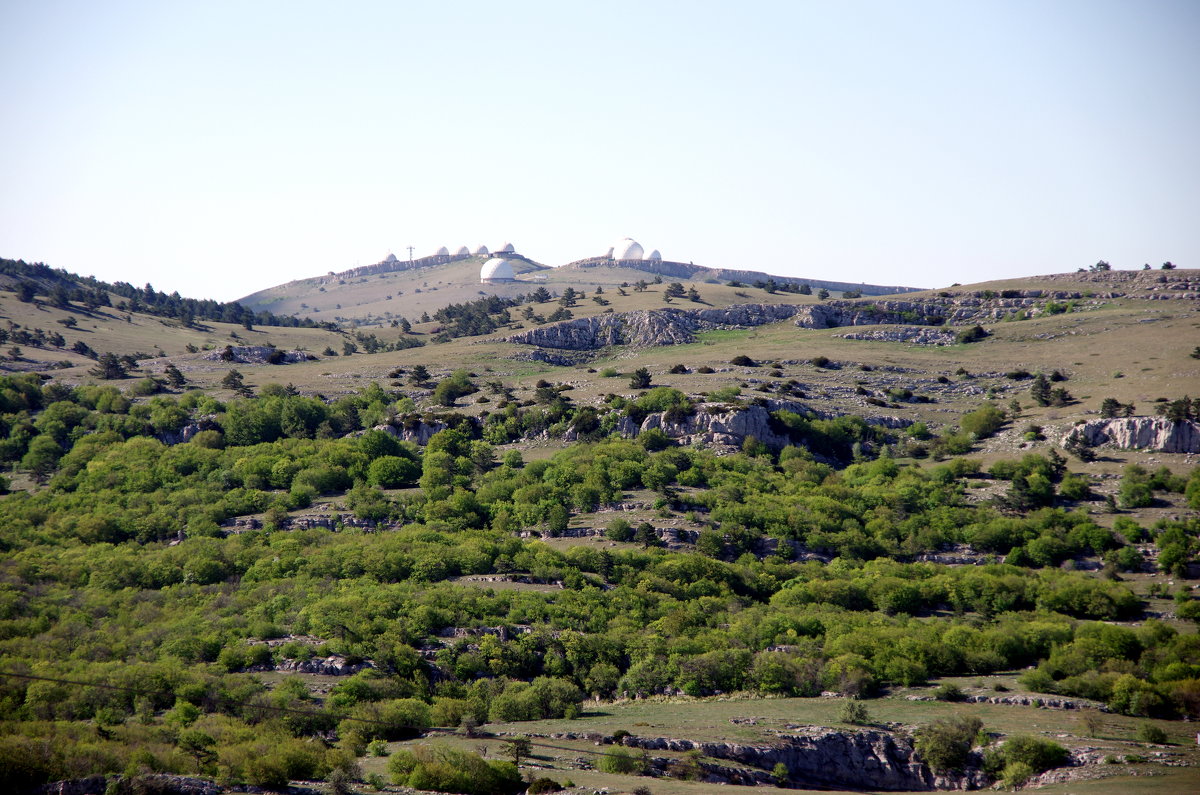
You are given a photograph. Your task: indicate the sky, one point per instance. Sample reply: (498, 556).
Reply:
(218, 148)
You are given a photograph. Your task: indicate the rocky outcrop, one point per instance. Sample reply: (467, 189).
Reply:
(649, 328)
(730, 427)
(206, 423)
(256, 354)
(822, 758)
(417, 431)
(1139, 433)
(913, 335)
(721, 424)
(334, 665)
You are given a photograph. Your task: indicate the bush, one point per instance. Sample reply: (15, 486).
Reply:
(621, 760)
(1038, 754)
(543, 784)
(743, 361)
(855, 712)
(949, 692)
(983, 422)
(1016, 774)
(444, 769)
(1149, 733)
(944, 744)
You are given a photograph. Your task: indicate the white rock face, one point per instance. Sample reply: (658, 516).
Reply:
(1140, 433)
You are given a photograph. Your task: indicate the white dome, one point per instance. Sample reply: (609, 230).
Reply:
(482, 251)
(655, 256)
(627, 248)
(463, 251)
(497, 270)
(442, 252)
(507, 248)
(390, 257)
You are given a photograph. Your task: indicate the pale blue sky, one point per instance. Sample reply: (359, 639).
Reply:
(218, 148)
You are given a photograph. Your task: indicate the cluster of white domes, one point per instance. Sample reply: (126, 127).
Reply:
(629, 249)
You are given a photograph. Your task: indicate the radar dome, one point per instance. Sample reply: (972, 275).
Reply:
(482, 251)
(390, 257)
(627, 248)
(654, 256)
(463, 251)
(496, 270)
(507, 248)
(442, 252)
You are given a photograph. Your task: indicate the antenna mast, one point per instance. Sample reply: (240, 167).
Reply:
(410, 251)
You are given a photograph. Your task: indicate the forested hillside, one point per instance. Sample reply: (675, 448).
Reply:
(254, 565)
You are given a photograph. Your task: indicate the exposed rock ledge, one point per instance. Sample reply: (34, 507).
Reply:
(1139, 433)
(256, 354)
(870, 760)
(649, 328)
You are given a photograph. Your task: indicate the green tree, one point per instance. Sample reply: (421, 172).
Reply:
(108, 367)
(174, 377)
(1040, 390)
(640, 379)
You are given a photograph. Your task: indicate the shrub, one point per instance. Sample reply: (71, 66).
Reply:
(1038, 754)
(743, 361)
(983, 422)
(443, 769)
(621, 760)
(1016, 774)
(948, 692)
(543, 784)
(855, 712)
(945, 743)
(1149, 733)
(640, 379)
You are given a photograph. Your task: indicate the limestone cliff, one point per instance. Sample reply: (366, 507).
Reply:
(1139, 433)
(824, 758)
(649, 328)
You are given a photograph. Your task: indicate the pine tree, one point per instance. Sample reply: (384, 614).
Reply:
(1040, 391)
(174, 377)
(108, 367)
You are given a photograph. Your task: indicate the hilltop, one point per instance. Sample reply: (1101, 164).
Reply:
(391, 289)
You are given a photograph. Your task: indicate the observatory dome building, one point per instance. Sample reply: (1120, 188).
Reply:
(442, 252)
(507, 248)
(627, 248)
(482, 251)
(654, 256)
(463, 251)
(497, 271)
